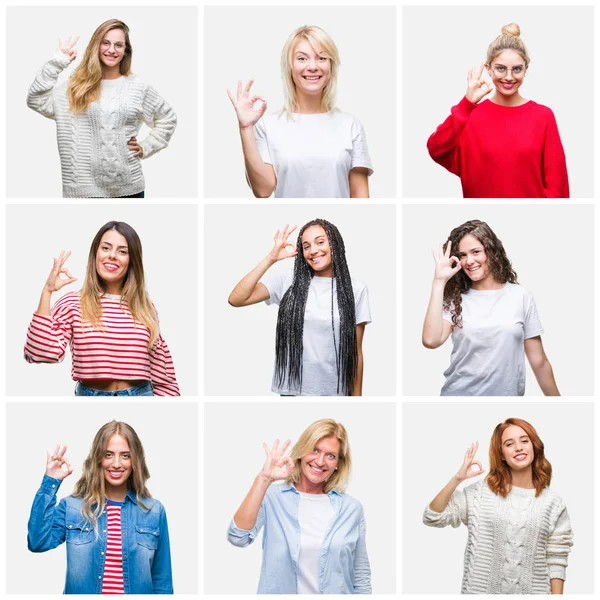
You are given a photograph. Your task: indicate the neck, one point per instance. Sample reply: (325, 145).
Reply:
(113, 288)
(116, 493)
(522, 478)
(489, 283)
(325, 273)
(513, 100)
(111, 72)
(309, 105)
(306, 486)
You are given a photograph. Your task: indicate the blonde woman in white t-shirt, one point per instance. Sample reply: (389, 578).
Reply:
(494, 322)
(310, 149)
(322, 312)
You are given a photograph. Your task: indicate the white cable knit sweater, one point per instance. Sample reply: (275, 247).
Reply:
(95, 159)
(515, 544)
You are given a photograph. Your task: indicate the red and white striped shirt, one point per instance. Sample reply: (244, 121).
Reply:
(112, 581)
(118, 350)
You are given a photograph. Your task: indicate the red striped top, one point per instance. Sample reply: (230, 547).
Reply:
(118, 350)
(112, 581)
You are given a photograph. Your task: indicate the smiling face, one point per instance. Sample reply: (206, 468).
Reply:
(473, 258)
(316, 251)
(112, 260)
(112, 48)
(318, 466)
(507, 71)
(311, 70)
(517, 448)
(117, 463)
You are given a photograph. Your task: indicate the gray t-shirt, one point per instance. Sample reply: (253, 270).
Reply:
(319, 369)
(488, 356)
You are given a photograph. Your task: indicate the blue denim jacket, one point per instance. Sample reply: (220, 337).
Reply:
(145, 541)
(344, 564)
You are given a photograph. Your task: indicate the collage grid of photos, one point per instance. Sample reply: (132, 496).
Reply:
(227, 206)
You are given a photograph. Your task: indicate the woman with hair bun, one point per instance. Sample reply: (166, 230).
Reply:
(504, 146)
(314, 533)
(98, 115)
(519, 530)
(116, 533)
(310, 149)
(322, 312)
(494, 322)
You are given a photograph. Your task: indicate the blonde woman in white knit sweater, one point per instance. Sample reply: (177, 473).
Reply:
(519, 529)
(98, 115)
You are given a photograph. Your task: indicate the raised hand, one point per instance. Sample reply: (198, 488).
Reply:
(444, 270)
(477, 86)
(277, 465)
(68, 47)
(57, 464)
(282, 248)
(55, 282)
(243, 104)
(466, 471)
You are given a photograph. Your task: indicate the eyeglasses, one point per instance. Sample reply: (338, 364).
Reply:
(119, 46)
(501, 70)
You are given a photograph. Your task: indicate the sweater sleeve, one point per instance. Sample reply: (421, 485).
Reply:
(362, 568)
(161, 119)
(554, 164)
(443, 143)
(46, 527)
(39, 96)
(454, 514)
(559, 545)
(162, 372)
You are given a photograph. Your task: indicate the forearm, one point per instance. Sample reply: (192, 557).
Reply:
(440, 502)
(358, 379)
(433, 326)
(247, 513)
(557, 586)
(243, 290)
(44, 304)
(545, 378)
(261, 176)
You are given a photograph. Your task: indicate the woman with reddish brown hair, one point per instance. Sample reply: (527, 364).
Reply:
(519, 529)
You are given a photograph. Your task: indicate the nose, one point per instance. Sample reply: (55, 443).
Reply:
(320, 459)
(116, 462)
(312, 64)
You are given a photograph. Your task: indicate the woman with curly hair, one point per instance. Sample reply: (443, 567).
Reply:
(116, 533)
(493, 320)
(519, 530)
(98, 115)
(322, 312)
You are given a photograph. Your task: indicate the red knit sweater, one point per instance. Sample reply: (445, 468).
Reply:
(502, 151)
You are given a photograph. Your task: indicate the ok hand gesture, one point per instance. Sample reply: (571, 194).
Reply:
(57, 464)
(465, 471)
(444, 271)
(277, 466)
(243, 104)
(477, 86)
(68, 47)
(55, 282)
(282, 248)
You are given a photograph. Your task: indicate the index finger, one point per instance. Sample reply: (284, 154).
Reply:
(285, 446)
(248, 86)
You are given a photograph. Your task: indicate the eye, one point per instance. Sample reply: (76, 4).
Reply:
(517, 70)
(105, 43)
(331, 456)
(500, 68)
(123, 251)
(301, 58)
(323, 58)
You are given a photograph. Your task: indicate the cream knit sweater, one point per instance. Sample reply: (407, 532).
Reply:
(95, 159)
(515, 544)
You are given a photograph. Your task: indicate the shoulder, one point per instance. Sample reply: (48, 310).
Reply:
(553, 498)
(69, 300)
(340, 115)
(540, 109)
(518, 291)
(476, 489)
(358, 287)
(73, 503)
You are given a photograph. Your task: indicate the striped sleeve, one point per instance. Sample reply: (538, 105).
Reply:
(162, 372)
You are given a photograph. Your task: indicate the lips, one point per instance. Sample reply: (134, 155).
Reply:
(312, 77)
(116, 474)
(317, 259)
(110, 266)
(521, 456)
(507, 86)
(317, 469)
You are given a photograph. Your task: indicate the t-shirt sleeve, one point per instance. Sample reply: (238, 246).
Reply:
(362, 307)
(277, 282)
(360, 150)
(260, 133)
(532, 325)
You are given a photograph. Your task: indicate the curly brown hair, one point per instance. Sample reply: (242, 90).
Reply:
(499, 478)
(500, 267)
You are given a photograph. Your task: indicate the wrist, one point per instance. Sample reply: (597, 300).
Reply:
(264, 480)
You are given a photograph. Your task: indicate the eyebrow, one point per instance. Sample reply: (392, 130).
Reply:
(501, 65)
(513, 439)
(319, 237)
(109, 244)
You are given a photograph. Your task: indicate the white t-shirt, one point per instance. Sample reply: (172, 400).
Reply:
(319, 369)
(314, 515)
(488, 356)
(312, 155)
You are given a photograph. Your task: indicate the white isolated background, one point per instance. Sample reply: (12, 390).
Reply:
(231, 570)
(239, 342)
(551, 248)
(170, 449)
(164, 40)
(169, 240)
(438, 52)
(245, 42)
(434, 439)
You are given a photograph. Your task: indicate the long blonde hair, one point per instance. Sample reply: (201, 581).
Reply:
(84, 85)
(91, 485)
(134, 288)
(316, 37)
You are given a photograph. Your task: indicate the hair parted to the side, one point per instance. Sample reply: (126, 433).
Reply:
(321, 43)
(499, 265)
(509, 39)
(84, 85)
(133, 292)
(290, 318)
(499, 478)
(310, 438)
(91, 485)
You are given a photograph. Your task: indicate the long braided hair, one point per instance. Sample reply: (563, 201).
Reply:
(290, 318)
(500, 267)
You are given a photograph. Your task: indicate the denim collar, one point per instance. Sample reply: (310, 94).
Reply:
(131, 497)
(290, 487)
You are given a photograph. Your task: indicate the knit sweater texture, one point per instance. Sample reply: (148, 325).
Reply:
(95, 159)
(515, 544)
(502, 151)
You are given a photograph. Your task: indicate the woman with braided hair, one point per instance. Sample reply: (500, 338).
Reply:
(322, 312)
(494, 322)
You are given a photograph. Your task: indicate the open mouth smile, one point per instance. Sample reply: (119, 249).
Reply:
(521, 456)
(110, 266)
(116, 474)
(317, 469)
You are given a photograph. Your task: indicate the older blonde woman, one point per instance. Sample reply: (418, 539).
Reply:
(314, 533)
(310, 149)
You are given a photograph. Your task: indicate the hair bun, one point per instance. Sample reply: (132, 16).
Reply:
(511, 29)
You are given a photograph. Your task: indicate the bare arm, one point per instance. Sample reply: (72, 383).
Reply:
(557, 586)
(541, 366)
(359, 182)
(357, 387)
